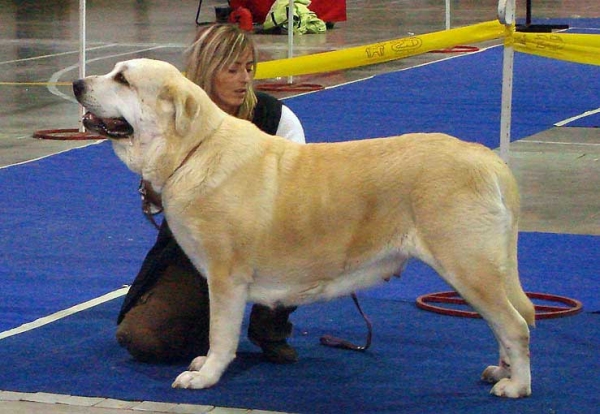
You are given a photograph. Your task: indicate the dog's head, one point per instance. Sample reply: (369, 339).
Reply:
(140, 105)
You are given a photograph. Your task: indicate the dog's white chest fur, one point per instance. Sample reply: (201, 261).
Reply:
(303, 288)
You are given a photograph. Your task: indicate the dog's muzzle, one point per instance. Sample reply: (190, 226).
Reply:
(115, 128)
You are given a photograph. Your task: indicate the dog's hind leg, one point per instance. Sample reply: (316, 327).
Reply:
(482, 268)
(513, 373)
(492, 301)
(475, 251)
(523, 305)
(228, 295)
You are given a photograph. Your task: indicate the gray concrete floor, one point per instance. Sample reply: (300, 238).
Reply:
(558, 170)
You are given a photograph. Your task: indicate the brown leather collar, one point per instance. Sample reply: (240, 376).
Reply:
(151, 200)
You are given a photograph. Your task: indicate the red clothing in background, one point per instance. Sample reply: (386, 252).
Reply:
(326, 10)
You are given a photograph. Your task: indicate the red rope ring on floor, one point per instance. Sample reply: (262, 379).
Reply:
(66, 134)
(541, 311)
(289, 87)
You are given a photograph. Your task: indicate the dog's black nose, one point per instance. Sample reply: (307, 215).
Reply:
(78, 87)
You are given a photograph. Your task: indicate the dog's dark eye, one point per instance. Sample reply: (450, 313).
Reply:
(119, 77)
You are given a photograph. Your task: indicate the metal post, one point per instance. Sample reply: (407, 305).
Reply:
(82, 57)
(506, 16)
(290, 79)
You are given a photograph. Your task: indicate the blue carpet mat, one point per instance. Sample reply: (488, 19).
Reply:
(459, 96)
(80, 235)
(71, 231)
(420, 362)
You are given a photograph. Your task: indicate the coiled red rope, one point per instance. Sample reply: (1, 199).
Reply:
(572, 307)
(66, 134)
(457, 49)
(289, 87)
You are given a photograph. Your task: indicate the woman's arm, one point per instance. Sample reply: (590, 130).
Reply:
(290, 127)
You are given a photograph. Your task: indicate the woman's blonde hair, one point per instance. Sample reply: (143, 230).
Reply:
(215, 48)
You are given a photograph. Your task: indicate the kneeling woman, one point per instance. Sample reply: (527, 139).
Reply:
(165, 315)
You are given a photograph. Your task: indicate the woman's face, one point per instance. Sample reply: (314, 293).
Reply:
(230, 84)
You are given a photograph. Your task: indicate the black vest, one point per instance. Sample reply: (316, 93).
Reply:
(267, 113)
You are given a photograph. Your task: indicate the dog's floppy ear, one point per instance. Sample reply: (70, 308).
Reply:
(184, 104)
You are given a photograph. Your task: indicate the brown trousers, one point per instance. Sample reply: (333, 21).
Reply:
(165, 316)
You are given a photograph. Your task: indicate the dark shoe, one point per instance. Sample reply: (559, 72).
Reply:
(277, 352)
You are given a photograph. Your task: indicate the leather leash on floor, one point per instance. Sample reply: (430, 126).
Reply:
(334, 342)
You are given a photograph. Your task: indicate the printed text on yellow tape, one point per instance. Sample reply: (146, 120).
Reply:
(379, 52)
(580, 48)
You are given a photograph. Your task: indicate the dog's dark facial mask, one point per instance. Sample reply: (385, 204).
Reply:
(115, 128)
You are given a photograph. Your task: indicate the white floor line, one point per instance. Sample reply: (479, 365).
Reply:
(53, 55)
(534, 141)
(57, 75)
(96, 142)
(64, 313)
(576, 117)
(125, 406)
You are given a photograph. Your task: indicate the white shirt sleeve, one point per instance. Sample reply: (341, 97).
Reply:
(290, 127)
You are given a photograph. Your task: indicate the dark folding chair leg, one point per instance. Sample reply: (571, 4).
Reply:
(199, 23)
(198, 12)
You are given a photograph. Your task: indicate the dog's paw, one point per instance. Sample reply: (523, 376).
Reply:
(197, 363)
(510, 389)
(194, 380)
(493, 374)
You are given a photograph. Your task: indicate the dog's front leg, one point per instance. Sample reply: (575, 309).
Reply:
(227, 304)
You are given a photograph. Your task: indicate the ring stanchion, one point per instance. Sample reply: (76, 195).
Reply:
(426, 302)
(80, 133)
(454, 49)
(290, 86)
(82, 53)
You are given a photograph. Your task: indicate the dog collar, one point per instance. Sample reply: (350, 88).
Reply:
(152, 200)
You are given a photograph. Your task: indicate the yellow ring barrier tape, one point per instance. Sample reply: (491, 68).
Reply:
(379, 52)
(580, 48)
